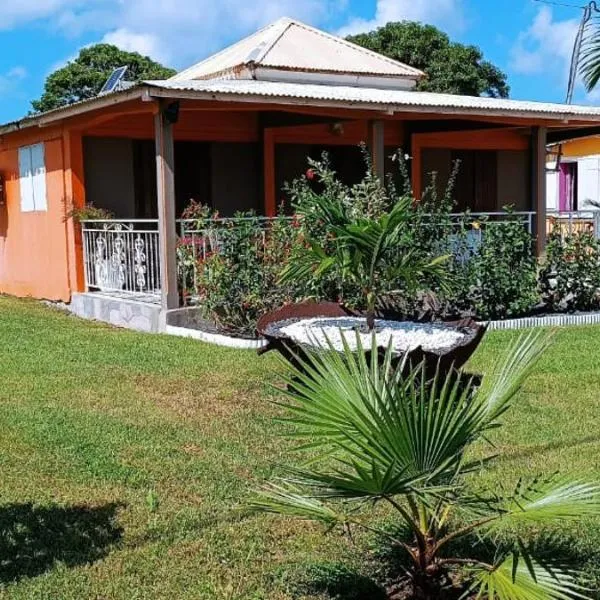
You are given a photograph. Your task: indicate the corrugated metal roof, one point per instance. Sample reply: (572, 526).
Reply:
(389, 99)
(290, 45)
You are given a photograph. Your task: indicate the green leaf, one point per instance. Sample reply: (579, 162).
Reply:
(518, 579)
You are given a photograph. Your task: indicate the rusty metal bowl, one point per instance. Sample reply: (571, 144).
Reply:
(443, 361)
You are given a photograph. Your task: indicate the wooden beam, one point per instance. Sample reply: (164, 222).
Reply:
(269, 173)
(165, 186)
(74, 198)
(538, 186)
(377, 147)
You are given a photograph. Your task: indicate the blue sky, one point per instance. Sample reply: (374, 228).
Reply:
(529, 40)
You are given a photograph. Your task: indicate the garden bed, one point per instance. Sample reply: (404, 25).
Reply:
(188, 322)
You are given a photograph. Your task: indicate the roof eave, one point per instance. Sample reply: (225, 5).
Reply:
(72, 110)
(158, 92)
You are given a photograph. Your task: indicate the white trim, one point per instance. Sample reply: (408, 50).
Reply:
(216, 338)
(566, 320)
(350, 79)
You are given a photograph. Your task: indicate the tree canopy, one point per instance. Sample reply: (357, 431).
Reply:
(84, 77)
(451, 67)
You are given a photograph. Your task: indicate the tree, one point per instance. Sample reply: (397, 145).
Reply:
(84, 77)
(377, 437)
(450, 67)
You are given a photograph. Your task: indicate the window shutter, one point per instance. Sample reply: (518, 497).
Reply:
(38, 168)
(26, 180)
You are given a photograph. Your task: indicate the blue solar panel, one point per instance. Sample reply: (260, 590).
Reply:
(112, 83)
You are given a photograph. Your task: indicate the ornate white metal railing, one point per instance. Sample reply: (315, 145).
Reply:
(122, 257)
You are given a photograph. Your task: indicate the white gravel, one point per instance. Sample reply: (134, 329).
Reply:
(405, 335)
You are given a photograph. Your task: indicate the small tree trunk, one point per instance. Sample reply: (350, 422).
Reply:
(370, 320)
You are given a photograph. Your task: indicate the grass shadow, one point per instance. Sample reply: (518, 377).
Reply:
(35, 538)
(337, 582)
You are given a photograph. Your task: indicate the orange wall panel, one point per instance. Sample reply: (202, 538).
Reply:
(582, 147)
(33, 246)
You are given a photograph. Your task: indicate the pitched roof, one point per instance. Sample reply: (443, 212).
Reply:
(292, 47)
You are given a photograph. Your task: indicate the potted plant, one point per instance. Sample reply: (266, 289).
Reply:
(360, 242)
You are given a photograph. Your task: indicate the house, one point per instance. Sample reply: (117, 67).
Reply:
(229, 132)
(573, 181)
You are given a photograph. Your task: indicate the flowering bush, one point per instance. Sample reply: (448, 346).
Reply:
(235, 281)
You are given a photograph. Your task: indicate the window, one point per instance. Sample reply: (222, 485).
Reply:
(32, 178)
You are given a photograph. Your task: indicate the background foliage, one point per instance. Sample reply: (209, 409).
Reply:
(451, 67)
(83, 78)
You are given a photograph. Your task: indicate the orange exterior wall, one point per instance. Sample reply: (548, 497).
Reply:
(583, 147)
(33, 245)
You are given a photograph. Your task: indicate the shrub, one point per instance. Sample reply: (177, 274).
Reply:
(236, 280)
(570, 275)
(503, 280)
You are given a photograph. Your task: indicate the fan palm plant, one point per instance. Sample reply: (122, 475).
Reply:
(381, 437)
(364, 250)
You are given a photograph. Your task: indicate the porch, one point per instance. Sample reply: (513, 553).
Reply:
(146, 162)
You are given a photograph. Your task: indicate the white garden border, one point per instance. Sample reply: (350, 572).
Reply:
(557, 320)
(216, 338)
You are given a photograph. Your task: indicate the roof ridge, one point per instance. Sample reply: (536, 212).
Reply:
(230, 47)
(284, 24)
(339, 40)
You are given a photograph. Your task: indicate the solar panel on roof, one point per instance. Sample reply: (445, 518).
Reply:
(112, 83)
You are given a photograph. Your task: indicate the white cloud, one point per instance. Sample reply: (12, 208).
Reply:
(144, 43)
(545, 47)
(17, 73)
(10, 81)
(445, 13)
(25, 11)
(178, 32)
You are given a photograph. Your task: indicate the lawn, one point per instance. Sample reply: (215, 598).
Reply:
(125, 457)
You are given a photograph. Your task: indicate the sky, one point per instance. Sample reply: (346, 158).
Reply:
(528, 39)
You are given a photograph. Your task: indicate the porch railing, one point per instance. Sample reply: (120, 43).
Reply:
(569, 223)
(121, 257)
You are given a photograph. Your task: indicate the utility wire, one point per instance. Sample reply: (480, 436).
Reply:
(564, 4)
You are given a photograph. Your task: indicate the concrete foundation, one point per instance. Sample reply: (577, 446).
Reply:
(141, 316)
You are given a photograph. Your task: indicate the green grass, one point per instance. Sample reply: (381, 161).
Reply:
(124, 457)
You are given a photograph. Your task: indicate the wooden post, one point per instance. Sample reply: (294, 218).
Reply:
(377, 147)
(74, 183)
(269, 173)
(538, 186)
(165, 187)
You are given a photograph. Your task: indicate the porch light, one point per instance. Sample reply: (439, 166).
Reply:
(337, 128)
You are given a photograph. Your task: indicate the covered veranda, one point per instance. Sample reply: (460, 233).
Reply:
(145, 158)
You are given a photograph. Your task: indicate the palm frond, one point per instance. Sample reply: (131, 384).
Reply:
(520, 359)
(291, 502)
(387, 427)
(524, 578)
(546, 500)
(589, 65)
